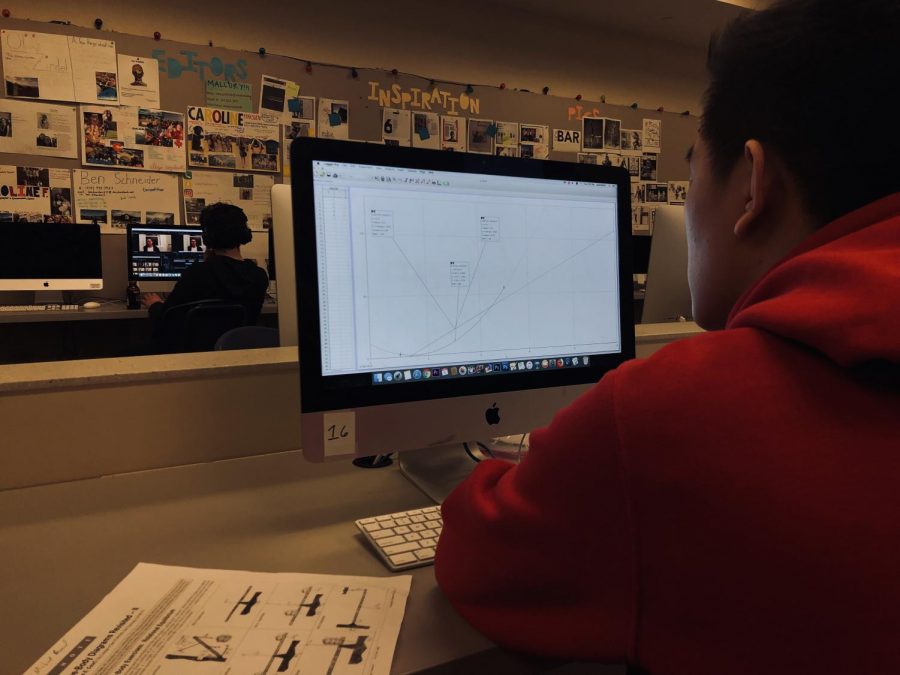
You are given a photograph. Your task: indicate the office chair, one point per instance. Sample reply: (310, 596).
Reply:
(195, 326)
(248, 337)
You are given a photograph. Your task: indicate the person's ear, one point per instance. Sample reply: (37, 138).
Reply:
(755, 162)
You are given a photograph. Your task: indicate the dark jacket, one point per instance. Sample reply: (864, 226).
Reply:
(221, 278)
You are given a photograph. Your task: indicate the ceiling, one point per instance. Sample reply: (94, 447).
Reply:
(686, 22)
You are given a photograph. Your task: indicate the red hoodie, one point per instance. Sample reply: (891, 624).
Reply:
(730, 505)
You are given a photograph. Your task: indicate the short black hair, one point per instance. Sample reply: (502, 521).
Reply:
(817, 81)
(224, 226)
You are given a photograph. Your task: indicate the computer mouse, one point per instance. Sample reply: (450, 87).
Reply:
(91, 305)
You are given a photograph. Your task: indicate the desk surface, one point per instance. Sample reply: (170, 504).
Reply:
(64, 546)
(110, 310)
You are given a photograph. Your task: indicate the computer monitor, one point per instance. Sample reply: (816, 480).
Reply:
(445, 297)
(50, 257)
(158, 255)
(668, 296)
(281, 242)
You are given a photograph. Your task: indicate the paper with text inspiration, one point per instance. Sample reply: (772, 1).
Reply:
(117, 199)
(38, 129)
(33, 194)
(59, 67)
(251, 192)
(139, 81)
(164, 620)
(132, 138)
(227, 139)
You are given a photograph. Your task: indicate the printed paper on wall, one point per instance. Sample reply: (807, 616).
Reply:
(59, 67)
(38, 129)
(426, 130)
(31, 194)
(138, 81)
(334, 119)
(251, 192)
(116, 199)
(453, 133)
(395, 127)
(133, 138)
(225, 139)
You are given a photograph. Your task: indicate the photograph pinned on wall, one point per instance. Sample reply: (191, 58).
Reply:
(334, 119)
(647, 219)
(426, 130)
(609, 159)
(591, 134)
(296, 129)
(453, 133)
(632, 140)
(637, 198)
(678, 190)
(656, 193)
(395, 127)
(535, 137)
(506, 151)
(648, 166)
(507, 135)
(612, 134)
(280, 101)
(534, 134)
(587, 158)
(652, 132)
(633, 164)
(480, 138)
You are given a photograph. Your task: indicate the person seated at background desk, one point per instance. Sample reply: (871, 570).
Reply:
(730, 505)
(223, 274)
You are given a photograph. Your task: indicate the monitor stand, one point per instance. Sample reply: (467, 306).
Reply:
(436, 471)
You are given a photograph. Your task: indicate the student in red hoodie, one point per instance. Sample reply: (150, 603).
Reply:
(731, 505)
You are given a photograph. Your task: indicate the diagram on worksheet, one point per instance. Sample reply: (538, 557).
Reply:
(171, 620)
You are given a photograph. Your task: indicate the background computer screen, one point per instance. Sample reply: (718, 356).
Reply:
(43, 252)
(162, 253)
(447, 283)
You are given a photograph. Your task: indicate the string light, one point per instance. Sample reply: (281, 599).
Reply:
(98, 23)
(354, 73)
(503, 85)
(262, 51)
(546, 90)
(157, 36)
(309, 67)
(469, 89)
(577, 97)
(634, 106)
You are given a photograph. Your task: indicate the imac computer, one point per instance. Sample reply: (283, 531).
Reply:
(158, 255)
(668, 296)
(281, 246)
(448, 297)
(50, 257)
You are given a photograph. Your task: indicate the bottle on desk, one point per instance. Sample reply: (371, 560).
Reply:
(133, 295)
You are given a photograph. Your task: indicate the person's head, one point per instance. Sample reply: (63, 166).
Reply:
(771, 162)
(224, 227)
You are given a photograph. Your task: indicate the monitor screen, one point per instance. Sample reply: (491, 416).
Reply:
(50, 256)
(162, 253)
(428, 275)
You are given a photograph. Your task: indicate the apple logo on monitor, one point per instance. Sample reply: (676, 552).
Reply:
(46, 284)
(492, 414)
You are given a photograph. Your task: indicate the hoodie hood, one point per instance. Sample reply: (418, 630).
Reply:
(838, 292)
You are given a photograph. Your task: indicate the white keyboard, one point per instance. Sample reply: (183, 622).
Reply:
(37, 308)
(406, 539)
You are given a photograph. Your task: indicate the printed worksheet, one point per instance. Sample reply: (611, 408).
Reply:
(166, 620)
